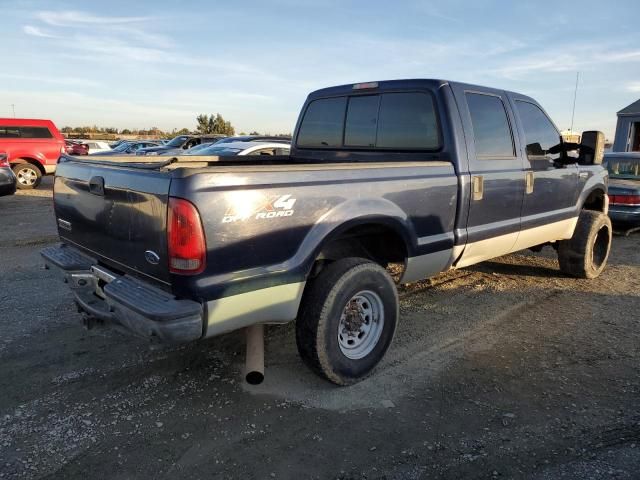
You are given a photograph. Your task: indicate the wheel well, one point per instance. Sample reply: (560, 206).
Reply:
(595, 201)
(379, 243)
(28, 160)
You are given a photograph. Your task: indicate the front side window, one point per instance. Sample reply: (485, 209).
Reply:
(322, 123)
(540, 134)
(491, 130)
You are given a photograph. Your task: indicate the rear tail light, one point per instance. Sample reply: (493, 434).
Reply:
(187, 244)
(629, 200)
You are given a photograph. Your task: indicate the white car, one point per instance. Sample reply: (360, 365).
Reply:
(97, 147)
(243, 148)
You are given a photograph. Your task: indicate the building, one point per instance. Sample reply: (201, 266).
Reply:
(627, 137)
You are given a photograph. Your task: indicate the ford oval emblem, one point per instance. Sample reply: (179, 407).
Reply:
(152, 257)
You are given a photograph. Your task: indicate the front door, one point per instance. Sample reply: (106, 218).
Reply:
(551, 188)
(497, 173)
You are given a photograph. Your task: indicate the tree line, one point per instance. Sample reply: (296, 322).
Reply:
(206, 124)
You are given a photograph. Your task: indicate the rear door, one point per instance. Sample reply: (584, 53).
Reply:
(551, 190)
(497, 173)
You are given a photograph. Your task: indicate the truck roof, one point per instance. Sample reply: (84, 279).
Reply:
(401, 84)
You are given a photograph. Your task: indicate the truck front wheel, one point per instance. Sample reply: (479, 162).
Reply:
(347, 320)
(585, 254)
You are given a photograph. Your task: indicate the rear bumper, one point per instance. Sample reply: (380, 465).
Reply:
(119, 299)
(624, 214)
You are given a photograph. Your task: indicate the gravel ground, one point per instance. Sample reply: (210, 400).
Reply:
(504, 370)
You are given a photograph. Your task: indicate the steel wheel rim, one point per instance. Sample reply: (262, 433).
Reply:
(361, 324)
(26, 176)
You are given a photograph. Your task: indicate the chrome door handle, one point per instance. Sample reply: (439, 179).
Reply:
(528, 182)
(477, 187)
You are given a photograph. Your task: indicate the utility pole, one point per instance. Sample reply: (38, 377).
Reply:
(575, 95)
(13, 107)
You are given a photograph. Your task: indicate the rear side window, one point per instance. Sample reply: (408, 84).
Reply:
(25, 132)
(322, 123)
(540, 134)
(491, 130)
(35, 132)
(389, 120)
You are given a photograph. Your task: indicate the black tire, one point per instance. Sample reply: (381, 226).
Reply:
(324, 301)
(28, 175)
(585, 254)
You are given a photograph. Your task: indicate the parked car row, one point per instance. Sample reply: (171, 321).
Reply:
(32, 147)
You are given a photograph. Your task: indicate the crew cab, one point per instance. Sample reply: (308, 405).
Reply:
(33, 147)
(427, 175)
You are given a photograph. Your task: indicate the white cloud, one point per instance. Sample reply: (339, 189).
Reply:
(633, 87)
(566, 59)
(73, 18)
(57, 80)
(36, 32)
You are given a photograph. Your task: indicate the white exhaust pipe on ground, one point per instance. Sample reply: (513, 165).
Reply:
(255, 355)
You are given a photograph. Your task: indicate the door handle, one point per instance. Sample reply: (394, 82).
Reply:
(477, 187)
(528, 182)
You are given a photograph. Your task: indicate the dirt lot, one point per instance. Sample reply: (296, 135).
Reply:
(505, 370)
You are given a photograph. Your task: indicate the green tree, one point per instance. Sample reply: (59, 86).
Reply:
(183, 131)
(126, 131)
(208, 124)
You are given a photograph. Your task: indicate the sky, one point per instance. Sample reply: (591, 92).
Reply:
(159, 64)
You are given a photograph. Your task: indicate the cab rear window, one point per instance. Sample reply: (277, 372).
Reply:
(400, 121)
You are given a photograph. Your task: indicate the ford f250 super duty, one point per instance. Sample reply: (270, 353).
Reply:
(427, 174)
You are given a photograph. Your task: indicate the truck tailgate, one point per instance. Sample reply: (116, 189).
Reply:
(117, 214)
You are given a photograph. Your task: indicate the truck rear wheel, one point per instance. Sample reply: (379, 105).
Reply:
(585, 254)
(28, 175)
(347, 320)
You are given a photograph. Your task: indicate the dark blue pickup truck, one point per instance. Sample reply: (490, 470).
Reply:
(428, 175)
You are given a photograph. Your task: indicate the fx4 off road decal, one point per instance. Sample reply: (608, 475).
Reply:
(260, 209)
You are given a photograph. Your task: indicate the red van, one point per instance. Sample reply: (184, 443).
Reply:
(33, 147)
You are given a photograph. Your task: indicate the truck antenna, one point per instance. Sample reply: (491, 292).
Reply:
(13, 107)
(575, 95)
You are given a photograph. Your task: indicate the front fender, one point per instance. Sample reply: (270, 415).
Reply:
(597, 180)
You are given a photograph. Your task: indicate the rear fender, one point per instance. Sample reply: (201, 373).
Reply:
(351, 214)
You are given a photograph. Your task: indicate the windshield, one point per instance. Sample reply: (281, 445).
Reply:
(624, 168)
(177, 142)
(216, 150)
(122, 147)
(200, 147)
